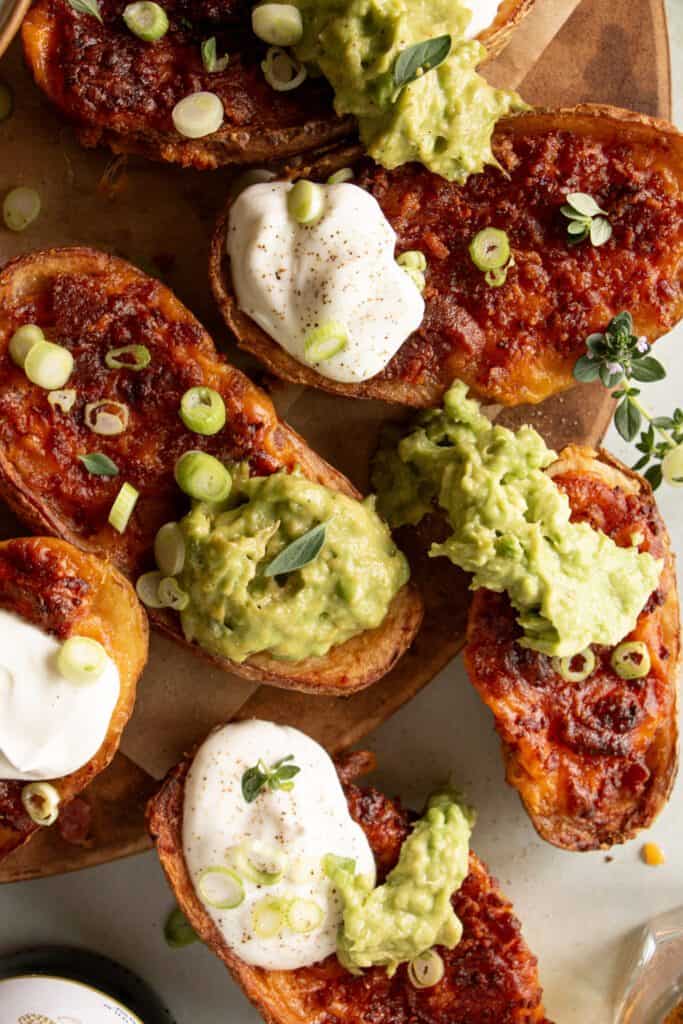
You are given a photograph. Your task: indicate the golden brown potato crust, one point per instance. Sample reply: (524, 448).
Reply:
(66, 592)
(490, 976)
(92, 302)
(120, 91)
(593, 762)
(517, 343)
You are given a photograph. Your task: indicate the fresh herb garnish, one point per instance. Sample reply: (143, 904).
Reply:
(586, 220)
(617, 358)
(87, 7)
(259, 777)
(99, 464)
(299, 553)
(212, 63)
(415, 60)
(178, 931)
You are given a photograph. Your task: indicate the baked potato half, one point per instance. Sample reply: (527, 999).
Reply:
(490, 975)
(519, 342)
(67, 592)
(593, 761)
(93, 302)
(120, 91)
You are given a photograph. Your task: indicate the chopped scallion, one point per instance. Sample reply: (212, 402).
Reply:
(122, 509)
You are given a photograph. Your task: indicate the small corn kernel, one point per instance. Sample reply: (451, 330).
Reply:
(653, 855)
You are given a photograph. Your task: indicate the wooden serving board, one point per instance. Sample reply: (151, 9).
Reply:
(611, 53)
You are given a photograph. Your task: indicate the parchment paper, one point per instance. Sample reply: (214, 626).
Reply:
(161, 218)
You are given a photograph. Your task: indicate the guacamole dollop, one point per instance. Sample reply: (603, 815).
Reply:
(444, 118)
(235, 609)
(571, 584)
(412, 910)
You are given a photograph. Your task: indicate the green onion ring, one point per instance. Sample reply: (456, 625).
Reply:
(169, 549)
(147, 21)
(341, 176)
(172, 595)
(413, 259)
(202, 410)
(426, 970)
(304, 916)
(41, 803)
(223, 876)
(147, 589)
(48, 365)
(141, 357)
(306, 202)
(490, 249)
(325, 341)
(268, 918)
(203, 477)
(281, 71)
(22, 341)
(631, 660)
(563, 666)
(277, 24)
(81, 659)
(100, 418)
(20, 208)
(198, 115)
(122, 509)
(63, 400)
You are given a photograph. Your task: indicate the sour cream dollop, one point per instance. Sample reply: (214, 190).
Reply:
(49, 726)
(483, 14)
(300, 825)
(292, 279)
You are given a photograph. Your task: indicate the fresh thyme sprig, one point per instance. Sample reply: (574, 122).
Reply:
(617, 358)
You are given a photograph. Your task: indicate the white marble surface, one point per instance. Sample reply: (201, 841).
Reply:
(578, 909)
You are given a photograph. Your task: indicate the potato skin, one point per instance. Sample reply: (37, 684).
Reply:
(490, 976)
(94, 302)
(67, 592)
(517, 343)
(593, 762)
(120, 91)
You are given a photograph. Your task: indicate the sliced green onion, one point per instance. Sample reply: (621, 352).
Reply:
(202, 410)
(81, 659)
(41, 803)
(48, 365)
(122, 509)
(147, 21)
(6, 102)
(306, 202)
(261, 864)
(573, 673)
(304, 916)
(147, 589)
(672, 466)
(20, 208)
(63, 400)
(497, 278)
(281, 71)
(140, 357)
(106, 418)
(178, 931)
(341, 176)
(169, 549)
(325, 341)
(210, 59)
(413, 259)
(203, 477)
(221, 888)
(490, 249)
(268, 918)
(198, 115)
(631, 660)
(172, 595)
(278, 24)
(426, 970)
(23, 340)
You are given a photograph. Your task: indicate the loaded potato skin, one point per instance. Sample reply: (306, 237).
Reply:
(516, 343)
(593, 760)
(66, 592)
(490, 975)
(120, 91)
(91, 303)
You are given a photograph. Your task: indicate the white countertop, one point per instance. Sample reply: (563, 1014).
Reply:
(577, 909)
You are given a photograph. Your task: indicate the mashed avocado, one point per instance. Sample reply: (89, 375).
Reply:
(571, 584)
(412, 911)
(444, 118)
(236, 610)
